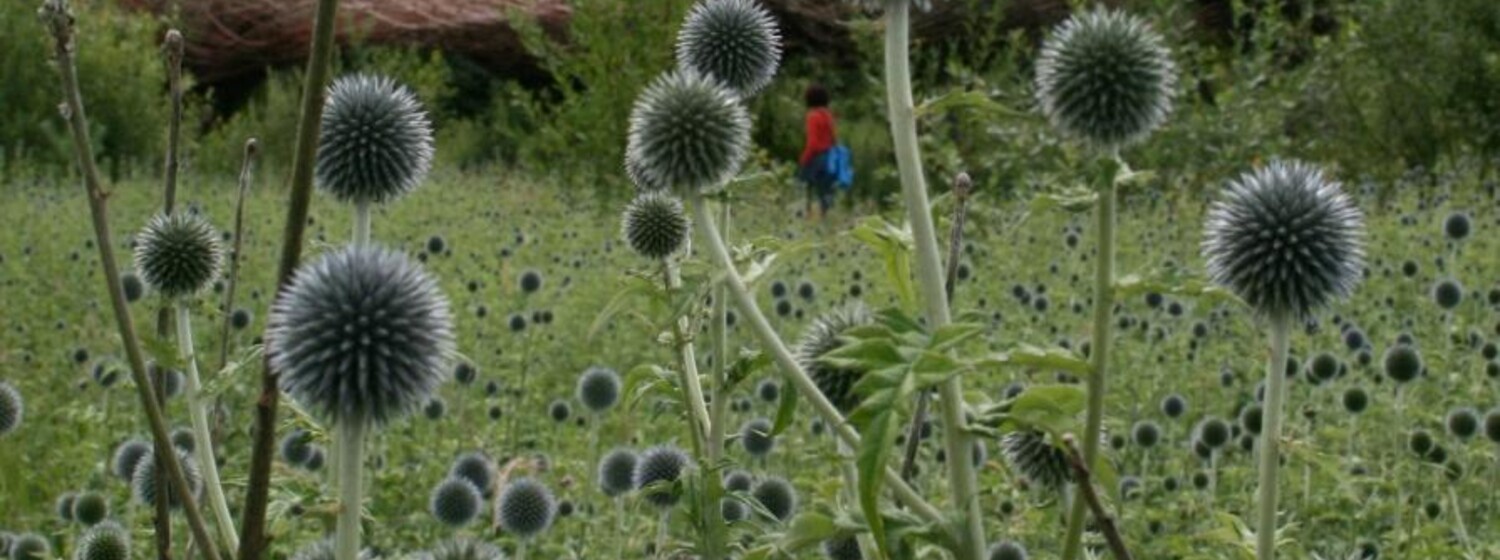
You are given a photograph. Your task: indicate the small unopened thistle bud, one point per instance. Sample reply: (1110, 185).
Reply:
(1007, 550)
(462, 548)
(64, 506)
(1106, 77)
(617, 472)
(526, 508)
(756, 437)
(1146, 434)
(12, 408)
(1447, 293)
(296, 447)
(842, 548)
(90, 508)
(655, 225)
(1030, 453)
(1402, 363)
(376, 142)
(657, 473)
(687, 133)
(1463, 423)
(30, 546)
(143, 481)
(127, 456)
(559, 411)
(132, 286)
(476, 468)
(735, 41)
(737, 481)
(361, 335)
(598, 389)
(1457, 226)
(455, 502)
(1213, 432)
(104, 541)
(777, 496)
(178, 255)
(1286, 240)
(822, 338)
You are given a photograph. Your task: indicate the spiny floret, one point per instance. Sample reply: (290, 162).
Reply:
(178, 254)
(657, 473)
(465, 549)
(104, 541)
(526, 508)
(688, 133)
(12, 408)
(127, 456)
(777, 496)
(90, 508)
(842, 548)
(361, 335)
(476, 468)
(376, 142)
(598, 389)
(756, 437)
(735, 41)
(30, 546)
(296, 447)
(143, 481)
(1286, 240)
(1032, 455)
(655, 225)
(823, 337)
(455, 502)
(1007, 550)
(1105, 76)
(617, 472)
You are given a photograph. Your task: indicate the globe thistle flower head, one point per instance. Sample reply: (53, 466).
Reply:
(1029, 453)
(655, 225)
(598, 389)
(823, 337)
(178, 254)
(476, 468)
(1403, 363)
(465, 549)
(143, 481)
(30, 546)
(104, 541)
(737, 481)
(325, 550)
(559, 411)
(1447, 293)
(90, 508)
(361, 335)
(296, 447)
(1007, 550)
(1106, 77)
(12, 408)
(526, 508)
(1457, 226)
(657, 473)
(756, 437)
(777, 496)
(183, 439)
(734, 41)
(1492, 426)
(688, 133)
(1286, 240)
(617, 472)
(376, 142)
(873, 5)
(127, 456)
(842, 548)
(733, 510)
(64, 506)
(455, 502)
(1463, 423)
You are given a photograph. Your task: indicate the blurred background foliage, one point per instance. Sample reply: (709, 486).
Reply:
(1380, 88)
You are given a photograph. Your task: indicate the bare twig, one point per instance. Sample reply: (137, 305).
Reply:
(253, 531)
(1086, 490)
(247, 168)
(58, 18)
(172, 50)
(962, 187)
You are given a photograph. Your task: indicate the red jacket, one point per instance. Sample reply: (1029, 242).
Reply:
(820, 135)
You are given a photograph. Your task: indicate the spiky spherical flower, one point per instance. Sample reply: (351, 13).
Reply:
(598, 389)
(314, 460)
(296, 447)
(1356, 400)
(143, 481)
(657, 472)
(1213, 432)
(361, 335)
(64, 506)
(842, 548)
(617, 472)
(1492, 426)
(132, 286)
(1105, 76)
(688, 133)
(455, 502)
(1286, 240)
(655, 225)
(737, 481)
(325, 550)
(526, 508)
(104, 541)
(1403, 363)
(1447, 293)
(12, 408)
(1146, 434)
(127, 456)
(1457, 226)
(1007, 550)
(476, 468)
(733, 510)
(89, 508)
(376, 141)
(1030, 453)
(777, 496)
(756, 437)
(178, 254)
(1463, 423)
(823, 337)
(30, 546)
(183, 439)
(465, 549)
(735, 41)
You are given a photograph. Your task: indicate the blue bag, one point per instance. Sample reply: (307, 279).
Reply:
(840, 166)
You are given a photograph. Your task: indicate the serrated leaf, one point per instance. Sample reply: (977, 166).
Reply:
(1054, 358)
(786, 412)
(864, 355)
(951, 335)
(1050, 408)
(617, 303)
(1073, 200)
(874, 450)
(894, 245)
(1136, 284)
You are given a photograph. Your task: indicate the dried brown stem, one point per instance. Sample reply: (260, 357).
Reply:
(1086, 490)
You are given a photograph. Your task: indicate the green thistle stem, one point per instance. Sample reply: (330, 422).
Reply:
(350, 465)
(362, 223)
(198, 414)
(1270, 439)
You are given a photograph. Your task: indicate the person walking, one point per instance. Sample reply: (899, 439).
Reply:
(821, 137)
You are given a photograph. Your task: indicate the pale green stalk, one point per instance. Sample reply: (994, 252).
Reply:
(1270, 438)
(204, 450)
(350, 466)
(362, 223)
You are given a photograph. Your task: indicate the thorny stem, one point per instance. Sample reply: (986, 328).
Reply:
(253, 537)
(1270, 438)
(58, 18)
(929, 269)
(1085, 487)
(246, 173)
(198, 414)
(719, 345)
(745, 302)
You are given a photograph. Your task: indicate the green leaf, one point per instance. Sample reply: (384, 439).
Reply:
(807, 529)
(949, 336)
(163, 351)
(874, 450)
(1054, 358)
(864, 355)
(786, 412)
(749, 362)
(894, 245)
(1050, 408)
(971, 100)
(1071, 200)
(1175, 285)
(618, 302)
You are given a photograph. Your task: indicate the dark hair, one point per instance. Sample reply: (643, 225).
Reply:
(816, 96)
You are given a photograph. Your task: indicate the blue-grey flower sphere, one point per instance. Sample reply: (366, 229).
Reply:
(842, 548)
(737, 481)
(325, 550)
(12, 408)
(476, 468)
(1286, 240)
(143, 481)
(90, 508)
(1106, 77)
(688, 133)
(1030, 453)
(296, 447)
(461, 548)
(30, 546)
(526, 508)
(178, 254)
(822, 338)
(64, 506)
(598, 389)
(362, 334)
(756, 437)
(376, 142)
(455, 502)
(777, 496)
(655, 225)
(657, 473)
(735, 41)
(617, 472)
(1007, 550)
(733, 510)
(127, 456)
(104, 541)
